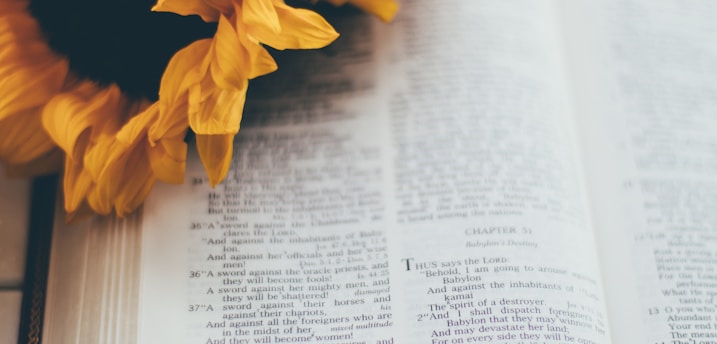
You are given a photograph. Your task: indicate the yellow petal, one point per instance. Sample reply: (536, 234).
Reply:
(96, 153)
(219, 113)
(260, 61)
(95, 162)
(25, 87)
(215, 104)
(182, 71)
(188, 7)
(230, 60)
(300, 29)
(106, 161)
(215, 151)
(175, 80)
(76, 119)
(136, 128)
(67, 115)
(127, 173)
(76, 184)
(20, 35)
(22, 138)
(134, 186)
(30, 73)
(168, 160)
(126, 180)
(260, 13)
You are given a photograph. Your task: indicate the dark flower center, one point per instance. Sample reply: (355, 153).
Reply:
(119, 41)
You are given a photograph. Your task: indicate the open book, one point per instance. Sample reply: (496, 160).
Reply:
(476, 171)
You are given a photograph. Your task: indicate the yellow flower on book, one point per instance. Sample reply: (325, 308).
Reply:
(118, 143)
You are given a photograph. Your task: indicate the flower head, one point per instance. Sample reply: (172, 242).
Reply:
(117, 144)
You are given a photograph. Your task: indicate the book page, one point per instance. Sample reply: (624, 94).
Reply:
(648, 119)
(416, 182)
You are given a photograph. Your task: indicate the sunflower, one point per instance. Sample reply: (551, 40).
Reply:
(117, 136)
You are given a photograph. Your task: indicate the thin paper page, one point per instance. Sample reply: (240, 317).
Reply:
(489, 208)
(649, 129)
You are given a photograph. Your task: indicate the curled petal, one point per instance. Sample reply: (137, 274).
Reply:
(30, 73)
(260, 61)
(300, 29)
(113, 162)
(183, 71)
(20, 37)
(168, 160)
(261, 13)
(126, 180)
(230, 61)
(234, 58)
(70, 114)
(175, 80)
(129, 165)
(77, 119)
(76, 184)
(22, 138)
(135, 186)
(25, 87)
(215, 151)
(96, 159)
(217, 111)
(136, 128)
